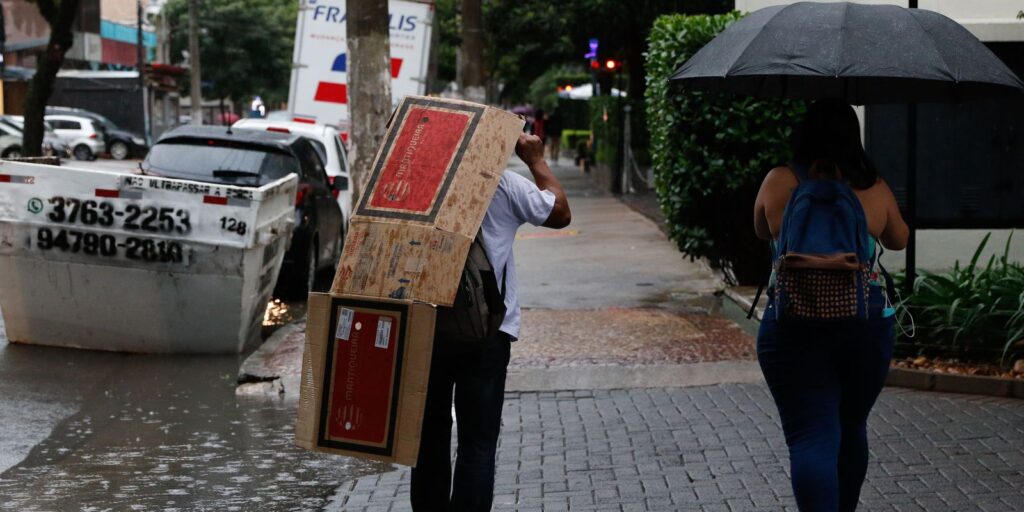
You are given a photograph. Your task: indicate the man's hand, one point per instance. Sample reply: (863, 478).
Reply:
(530, 149)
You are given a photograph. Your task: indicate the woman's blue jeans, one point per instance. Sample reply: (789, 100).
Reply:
(825, 377)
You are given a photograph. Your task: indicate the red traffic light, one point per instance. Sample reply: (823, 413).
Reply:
(594, 64)
(611, 65)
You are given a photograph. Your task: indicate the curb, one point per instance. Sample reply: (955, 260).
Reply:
(921, 379)
(950, 383)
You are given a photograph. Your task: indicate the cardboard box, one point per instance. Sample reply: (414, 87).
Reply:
(430, 186)
(368, 345)
(374, 356)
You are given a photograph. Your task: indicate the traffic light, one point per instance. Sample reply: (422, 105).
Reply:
(612, 65)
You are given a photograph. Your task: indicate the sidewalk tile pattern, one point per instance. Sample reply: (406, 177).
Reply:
(719, 448)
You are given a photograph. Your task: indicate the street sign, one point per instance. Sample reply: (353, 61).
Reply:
(319, 82)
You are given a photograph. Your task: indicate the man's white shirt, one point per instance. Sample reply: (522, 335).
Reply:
(517, 201)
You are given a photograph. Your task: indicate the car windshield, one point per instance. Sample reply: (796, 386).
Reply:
(215, 161)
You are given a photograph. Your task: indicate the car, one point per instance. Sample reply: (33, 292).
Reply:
(332, 149)
(120, 143)
(83, 135)
(10, 141)
(252, 158)
(52, 144)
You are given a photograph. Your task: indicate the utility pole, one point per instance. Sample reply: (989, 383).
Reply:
(369, 83)
(195, 89)
(140, 47)
(471, 52)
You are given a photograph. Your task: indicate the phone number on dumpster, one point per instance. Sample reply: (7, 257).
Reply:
(133, 217)
(109, 246)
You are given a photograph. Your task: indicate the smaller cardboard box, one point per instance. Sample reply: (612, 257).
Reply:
(364, 377)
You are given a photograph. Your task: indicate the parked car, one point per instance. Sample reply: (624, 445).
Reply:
(84, 135)
(251, 158)
(52, 144)
(120, 143)
(10, 141)
(331, 147)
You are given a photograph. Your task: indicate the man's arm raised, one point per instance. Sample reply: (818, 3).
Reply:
(531, 150)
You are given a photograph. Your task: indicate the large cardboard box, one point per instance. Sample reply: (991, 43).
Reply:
(368, 345)
(429, 188)
(364, 377)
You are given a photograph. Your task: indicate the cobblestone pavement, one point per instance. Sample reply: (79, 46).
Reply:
(719, 448)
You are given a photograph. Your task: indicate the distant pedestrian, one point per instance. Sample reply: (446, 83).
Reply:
(476, 372)
(539, 129)
(553, 129)
(826, 337)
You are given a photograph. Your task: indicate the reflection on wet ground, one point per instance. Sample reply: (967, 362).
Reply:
(163, 433)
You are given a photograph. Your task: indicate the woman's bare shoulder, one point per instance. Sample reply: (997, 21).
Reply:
(781, 176)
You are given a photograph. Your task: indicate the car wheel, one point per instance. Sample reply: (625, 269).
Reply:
(82, 152)
(119, 150)
(12, 153)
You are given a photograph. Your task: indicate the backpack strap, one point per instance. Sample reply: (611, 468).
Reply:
(890, 286)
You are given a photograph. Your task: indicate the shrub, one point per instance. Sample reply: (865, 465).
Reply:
(606, 118)
(971, 313)
(710, 151)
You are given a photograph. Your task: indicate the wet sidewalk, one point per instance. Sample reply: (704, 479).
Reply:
(720, 448)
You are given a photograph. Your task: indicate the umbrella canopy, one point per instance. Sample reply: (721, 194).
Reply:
(861, 53)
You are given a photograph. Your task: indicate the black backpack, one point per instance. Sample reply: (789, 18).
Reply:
(479, 307)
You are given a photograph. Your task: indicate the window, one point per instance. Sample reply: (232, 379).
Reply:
(312, 163)
(342, 160)
(219, 162)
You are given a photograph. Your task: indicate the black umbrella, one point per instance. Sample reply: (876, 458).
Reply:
(860, 53)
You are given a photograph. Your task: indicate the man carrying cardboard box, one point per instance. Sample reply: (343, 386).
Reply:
(476, 372)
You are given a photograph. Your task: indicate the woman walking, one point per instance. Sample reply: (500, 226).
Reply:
(826, 338)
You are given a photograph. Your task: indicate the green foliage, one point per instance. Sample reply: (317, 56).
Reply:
(447, 22)
(972, 313)
(710, 151)
(575, 114)
(606, 122)
(543, 92)
(524, 38)
(571, 138)
(245, 45)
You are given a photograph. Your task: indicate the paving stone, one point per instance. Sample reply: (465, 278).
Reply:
(720, 448)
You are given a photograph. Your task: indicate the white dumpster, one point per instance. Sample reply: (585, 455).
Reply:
(110, 261)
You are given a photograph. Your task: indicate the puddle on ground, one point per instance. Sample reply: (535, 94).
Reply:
(168, 433)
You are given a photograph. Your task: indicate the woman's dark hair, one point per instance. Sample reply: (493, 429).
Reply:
(830, 137)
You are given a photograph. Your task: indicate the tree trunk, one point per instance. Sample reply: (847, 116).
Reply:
(369, 84)
(195, 68)
(61, 17)
(471, 52)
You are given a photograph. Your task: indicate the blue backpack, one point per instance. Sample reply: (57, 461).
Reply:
(822, 261)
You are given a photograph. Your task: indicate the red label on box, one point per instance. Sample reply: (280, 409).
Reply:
(364, 366)
(419, 160)
(421, 152)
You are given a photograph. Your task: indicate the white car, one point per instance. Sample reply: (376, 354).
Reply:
(331, 147)
(80, 133)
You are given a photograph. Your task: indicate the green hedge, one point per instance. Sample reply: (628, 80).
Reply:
(606, 118)
(710, 151)
(606, 123)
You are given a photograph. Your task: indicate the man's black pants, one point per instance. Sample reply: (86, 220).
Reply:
(476, 373)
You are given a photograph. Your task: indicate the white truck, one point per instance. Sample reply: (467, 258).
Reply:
(319, 82)
(131, 263)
